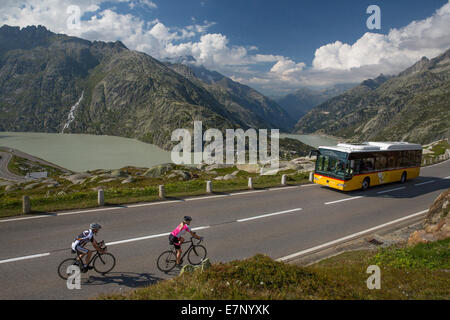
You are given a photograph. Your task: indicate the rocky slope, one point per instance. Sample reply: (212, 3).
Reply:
(52, 82)
(243, 102)
(412, 106)
(437, 222)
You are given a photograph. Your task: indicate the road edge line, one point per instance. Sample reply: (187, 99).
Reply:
(346, 238)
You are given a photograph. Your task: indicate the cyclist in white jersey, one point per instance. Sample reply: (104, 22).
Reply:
(84, 238)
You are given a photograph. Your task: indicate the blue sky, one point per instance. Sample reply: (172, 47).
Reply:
(292, 28)
(273, 46)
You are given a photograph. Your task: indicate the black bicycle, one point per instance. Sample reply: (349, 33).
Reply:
(196, 253)
(102, 263)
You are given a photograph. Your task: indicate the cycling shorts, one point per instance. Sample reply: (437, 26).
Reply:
(174, 241)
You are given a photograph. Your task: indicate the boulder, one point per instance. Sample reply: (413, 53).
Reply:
(77, 177)
(228, 177)
(118, 173)
(10, 188)
(128, 180)
(159, 171)
(217, 166)
(184, 175)
(250, 168)
(31, 186)
(437, 222)
(107, 180)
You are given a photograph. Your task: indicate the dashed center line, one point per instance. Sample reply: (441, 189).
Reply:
(346, 199)
(150, 237)
(25, 257)
(426, 182)
(269, 214)
(390, 190)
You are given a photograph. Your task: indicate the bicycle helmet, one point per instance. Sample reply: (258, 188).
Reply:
(187, 218)
(95, 226)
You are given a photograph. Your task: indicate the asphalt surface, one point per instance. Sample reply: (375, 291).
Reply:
(284, 221)
(5, 157)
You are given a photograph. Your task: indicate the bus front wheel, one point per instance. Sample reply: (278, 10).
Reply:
(366, 184)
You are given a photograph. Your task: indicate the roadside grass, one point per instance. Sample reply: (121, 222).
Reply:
(67, 196)
(431, 256)
(340, 277)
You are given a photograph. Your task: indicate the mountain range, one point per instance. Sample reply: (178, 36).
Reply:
(53, 82)
(301, 101)
(56, 83)
(412, 106)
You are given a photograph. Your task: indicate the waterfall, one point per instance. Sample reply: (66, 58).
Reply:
(71, 115)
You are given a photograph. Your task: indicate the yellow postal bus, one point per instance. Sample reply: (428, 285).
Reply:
(357, 166)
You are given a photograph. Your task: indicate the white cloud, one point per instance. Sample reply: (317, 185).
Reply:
(369, 56)
(333, 63)
(399, 48)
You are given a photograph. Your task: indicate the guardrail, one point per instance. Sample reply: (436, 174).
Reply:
(427, 161)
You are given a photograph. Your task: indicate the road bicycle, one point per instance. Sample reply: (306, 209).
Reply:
(101, 262)
(196, 253)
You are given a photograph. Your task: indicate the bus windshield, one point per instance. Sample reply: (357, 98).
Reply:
(333, 163)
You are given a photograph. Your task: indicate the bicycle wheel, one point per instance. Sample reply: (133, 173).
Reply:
(197, 254)
(63, 266)
(104, 263)
(167, 261)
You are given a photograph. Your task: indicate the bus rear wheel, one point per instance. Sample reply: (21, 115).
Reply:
(403, 178)
(365, 184)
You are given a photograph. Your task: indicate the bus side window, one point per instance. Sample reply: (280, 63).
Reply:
(354, 166)
(367, 164)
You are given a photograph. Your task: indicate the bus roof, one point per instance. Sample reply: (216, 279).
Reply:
(373, 147)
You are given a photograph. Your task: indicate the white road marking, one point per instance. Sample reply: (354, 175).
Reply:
(282, 188)
(246, 192)
(390, 190)
(355, 235)
(346, 199)
(309, 185)
(269, 214)
(209, 197)
(26, 218)
(153, 203)
(25, 257)
(150, 237)
(86, 211)
(420, 184)
(108, 244)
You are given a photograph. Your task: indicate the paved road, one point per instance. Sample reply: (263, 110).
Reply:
(284, 221)
(5, 157)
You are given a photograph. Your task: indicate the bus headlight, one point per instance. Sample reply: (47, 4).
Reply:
(341, 185)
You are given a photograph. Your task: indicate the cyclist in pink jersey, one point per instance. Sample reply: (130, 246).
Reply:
(176, 239)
